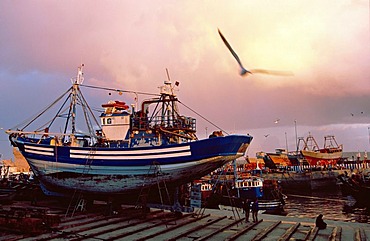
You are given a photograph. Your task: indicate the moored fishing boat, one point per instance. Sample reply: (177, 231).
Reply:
(279, 158)
(269, 195)
(268, 192)
(228, 192)
(126, 151)
(358, 186)
(329, 155)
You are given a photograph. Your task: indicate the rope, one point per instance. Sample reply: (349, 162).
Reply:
(317, 198)
(118, 90)
(41, 113)
(204, 118)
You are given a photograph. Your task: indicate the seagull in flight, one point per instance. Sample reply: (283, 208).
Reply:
(276, 121)
(244, 71)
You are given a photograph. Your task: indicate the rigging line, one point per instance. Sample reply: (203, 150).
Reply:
(118, 90)
(42, 112)
(50, 122)
(59, 111)
(87, 110)
(203, 117)
(316, 198)
(87, 118)
(97, 109)
(88, 107)
(67, 121)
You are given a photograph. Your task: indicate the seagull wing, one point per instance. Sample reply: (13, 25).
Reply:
(272, 72)
(254, 71)
(243, 71)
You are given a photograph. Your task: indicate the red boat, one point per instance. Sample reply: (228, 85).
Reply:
(329, 155)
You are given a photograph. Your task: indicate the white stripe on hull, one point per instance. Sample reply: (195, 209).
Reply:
(116, 155)
(47, 151)
(39, 148)
(93, 156)
(131, 152)
(40, 153)
(107, 179)
(46, 168)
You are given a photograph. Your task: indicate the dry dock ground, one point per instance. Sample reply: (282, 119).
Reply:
(132, 224)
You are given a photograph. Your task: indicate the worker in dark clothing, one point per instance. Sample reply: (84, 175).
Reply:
(247, 207)
(255, 210)
(320, 222)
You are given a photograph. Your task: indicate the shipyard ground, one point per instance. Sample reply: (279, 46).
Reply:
(133, 224)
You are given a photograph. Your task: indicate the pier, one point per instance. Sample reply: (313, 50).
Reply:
(133, 224)
(314, 180)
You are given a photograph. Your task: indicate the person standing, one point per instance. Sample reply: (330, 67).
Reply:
(247, 207)
(255, 210)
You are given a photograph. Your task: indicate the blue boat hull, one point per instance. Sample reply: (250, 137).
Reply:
(104, 170)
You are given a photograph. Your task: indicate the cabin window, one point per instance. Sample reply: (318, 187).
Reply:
(109, 121)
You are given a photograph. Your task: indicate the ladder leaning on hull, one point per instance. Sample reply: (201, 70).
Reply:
(154, 171)
(77, 201)
(201, 210)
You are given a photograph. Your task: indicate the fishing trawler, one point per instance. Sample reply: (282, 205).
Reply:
(229, 191)
(279, 158)
(329, 155)
(356, 185)
(269, 195)
(126, 151)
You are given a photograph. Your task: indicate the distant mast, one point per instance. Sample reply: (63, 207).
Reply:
(76, 82)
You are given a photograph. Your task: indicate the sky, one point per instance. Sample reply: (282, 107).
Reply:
(129, 45)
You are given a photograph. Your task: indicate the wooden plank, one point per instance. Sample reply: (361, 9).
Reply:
(266, 231)
(286, 236)
(121, 226)
(196, 229)
(105, 231)
(77, 229)
(336, 234)
(360, 235)
(10, 237)
(173, 227)
(312, 234)
(124, 234)
(220, 230)
(244, 230)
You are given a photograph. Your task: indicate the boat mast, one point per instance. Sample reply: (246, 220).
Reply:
(296, 137)
(76, 82)
(169, 106)
(236, 177)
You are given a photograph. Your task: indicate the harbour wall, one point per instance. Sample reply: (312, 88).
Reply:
(312, 180)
